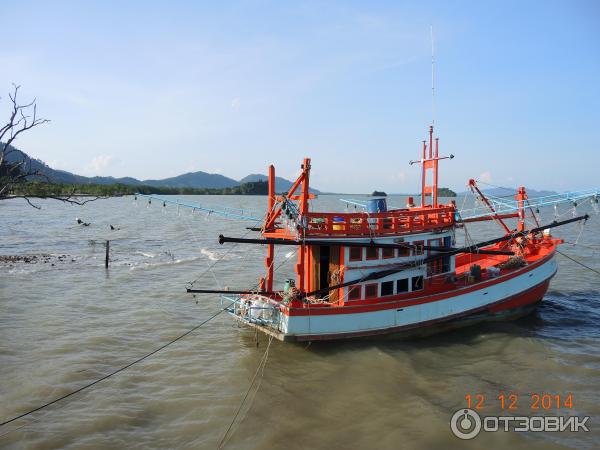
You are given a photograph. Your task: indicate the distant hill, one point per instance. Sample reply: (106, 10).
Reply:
(281, 184)
(196, 180)
(62, 176)
(446, 192)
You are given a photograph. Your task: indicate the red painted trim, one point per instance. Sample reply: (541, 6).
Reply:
(525, 298)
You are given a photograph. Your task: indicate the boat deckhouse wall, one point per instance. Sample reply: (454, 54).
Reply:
(343, 267)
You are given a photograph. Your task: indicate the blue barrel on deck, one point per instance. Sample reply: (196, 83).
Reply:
(338, 223)
(376, 205)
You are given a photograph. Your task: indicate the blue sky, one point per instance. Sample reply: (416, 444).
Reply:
(153, 89)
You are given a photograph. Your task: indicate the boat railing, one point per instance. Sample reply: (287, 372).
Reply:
(391, 222)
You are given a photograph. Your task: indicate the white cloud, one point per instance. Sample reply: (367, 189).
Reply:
(236, 103)
(485, 177)
(59, 164)
(98, 164)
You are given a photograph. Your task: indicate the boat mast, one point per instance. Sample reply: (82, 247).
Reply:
(429, 162)
(303, 201)
(430, 159)
(520, 198)
(270, 247)
(276, 203)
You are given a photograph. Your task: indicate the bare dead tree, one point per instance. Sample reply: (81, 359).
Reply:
(15, 173)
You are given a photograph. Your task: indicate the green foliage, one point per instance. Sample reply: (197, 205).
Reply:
(39, 189)
(446, 192)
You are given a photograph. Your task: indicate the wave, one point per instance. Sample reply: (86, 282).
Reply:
(147, 255)
(213, 256)
(171, 262)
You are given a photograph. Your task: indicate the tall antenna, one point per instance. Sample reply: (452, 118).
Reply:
(432, 78)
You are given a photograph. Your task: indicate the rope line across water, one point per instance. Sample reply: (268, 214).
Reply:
(578, 262)
(121, 369)
(261, 365)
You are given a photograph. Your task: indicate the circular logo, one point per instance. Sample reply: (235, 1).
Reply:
(465, 424)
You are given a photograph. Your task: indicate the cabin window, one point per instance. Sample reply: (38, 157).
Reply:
(417, 283)
(387, 252)
(402, 285)
(434, 267)
(387, 288)
(355, 292)
(418, 247)
(356, 253)
(446, 260)
(434, 243)
(403, 251)
(371, 290)
(372, 253)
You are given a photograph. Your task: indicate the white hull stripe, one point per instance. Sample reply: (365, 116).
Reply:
(415, 315)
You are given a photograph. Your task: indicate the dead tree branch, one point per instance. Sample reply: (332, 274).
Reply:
(17, 171)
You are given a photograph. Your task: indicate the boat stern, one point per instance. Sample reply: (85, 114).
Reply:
(259, 312)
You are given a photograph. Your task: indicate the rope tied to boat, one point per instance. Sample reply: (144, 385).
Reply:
(114, 372)
(597, 272)
(261, 368)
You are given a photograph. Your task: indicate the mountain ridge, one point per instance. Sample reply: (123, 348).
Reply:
(198, 179)
(281, 184)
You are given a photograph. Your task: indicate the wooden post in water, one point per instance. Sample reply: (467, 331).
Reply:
(107, 252)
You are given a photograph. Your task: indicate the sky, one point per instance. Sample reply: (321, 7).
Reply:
(155, 89)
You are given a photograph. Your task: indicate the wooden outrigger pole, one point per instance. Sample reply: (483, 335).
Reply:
(384, 273)
(370, 244)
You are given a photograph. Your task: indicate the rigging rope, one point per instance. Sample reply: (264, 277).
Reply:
(591, 247)
(578, 262)
(260, 368)
(114, 372)
(209, 268)
(207, 263)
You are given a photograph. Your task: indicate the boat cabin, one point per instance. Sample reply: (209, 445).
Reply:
(335, 248)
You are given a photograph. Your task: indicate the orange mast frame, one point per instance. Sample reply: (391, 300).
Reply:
(274, 212)
(430, 163)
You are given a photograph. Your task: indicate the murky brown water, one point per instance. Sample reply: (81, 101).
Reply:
(67, 321)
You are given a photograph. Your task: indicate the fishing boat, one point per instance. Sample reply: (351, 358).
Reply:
(394, 271)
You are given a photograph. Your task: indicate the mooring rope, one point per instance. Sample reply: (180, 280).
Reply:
(114, 372)
(578, 262)
(261, 369)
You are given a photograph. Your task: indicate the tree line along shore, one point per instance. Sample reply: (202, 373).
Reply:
(45, 189)
(39, 189)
